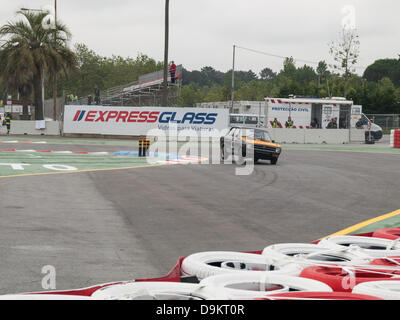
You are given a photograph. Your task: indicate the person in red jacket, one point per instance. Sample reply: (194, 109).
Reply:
(172, 71)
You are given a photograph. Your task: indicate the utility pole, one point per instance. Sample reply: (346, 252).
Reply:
(233, 77)
(55, 73)
(165, 89)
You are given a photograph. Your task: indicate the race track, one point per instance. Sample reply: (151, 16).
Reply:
(102, 226)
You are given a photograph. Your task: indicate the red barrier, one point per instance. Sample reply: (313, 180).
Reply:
(396, 140)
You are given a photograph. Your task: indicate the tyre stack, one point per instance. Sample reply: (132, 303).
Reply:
(395, 139)
(348, 267)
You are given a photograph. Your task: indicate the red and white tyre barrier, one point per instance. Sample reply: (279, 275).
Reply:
(206, 264)
(252, 285)
(319, 296)
(307, 254)
(387, 233)
(387, 290)
(374, 247)
(344, 279)
(387, 261)
(43, 297)
(149, 291)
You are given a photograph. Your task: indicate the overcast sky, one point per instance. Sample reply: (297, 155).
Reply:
(202, 32)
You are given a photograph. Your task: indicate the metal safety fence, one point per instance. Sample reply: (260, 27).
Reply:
(385, 121)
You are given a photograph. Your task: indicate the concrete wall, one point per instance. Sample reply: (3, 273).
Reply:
(357, 135)
(315, 136)
(28, 128)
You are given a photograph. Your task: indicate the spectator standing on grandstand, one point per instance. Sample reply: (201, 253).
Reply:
(96, 94)
(172, 71)
(289, 123)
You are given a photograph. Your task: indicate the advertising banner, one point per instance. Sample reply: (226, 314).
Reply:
(135, 121)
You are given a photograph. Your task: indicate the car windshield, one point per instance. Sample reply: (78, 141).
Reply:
(257, 134)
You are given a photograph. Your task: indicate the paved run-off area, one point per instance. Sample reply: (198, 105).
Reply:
(110, 225)
(26, 162)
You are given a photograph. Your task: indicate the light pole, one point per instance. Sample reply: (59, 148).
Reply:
(233, 78)
(165, 89)
(55, 73)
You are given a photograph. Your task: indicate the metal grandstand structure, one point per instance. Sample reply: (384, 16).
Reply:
(147, 91)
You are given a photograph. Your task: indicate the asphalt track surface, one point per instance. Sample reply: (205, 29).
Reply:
(105, 226)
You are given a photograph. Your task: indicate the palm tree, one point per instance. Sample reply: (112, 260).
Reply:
(15, 67)
(31, 52)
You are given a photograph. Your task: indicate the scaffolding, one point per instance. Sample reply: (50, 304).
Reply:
(147, 91)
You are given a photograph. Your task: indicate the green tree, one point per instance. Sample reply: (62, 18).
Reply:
(289, 68)
(190, 95)
(106, 72)
(267, 74)
(31, 47)
(214, 94)
(305, 75)
(384, 68)
(345, 53)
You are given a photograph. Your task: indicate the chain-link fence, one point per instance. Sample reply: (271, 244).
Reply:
(385, 121)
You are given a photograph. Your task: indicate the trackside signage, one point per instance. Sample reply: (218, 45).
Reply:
(139, 120)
